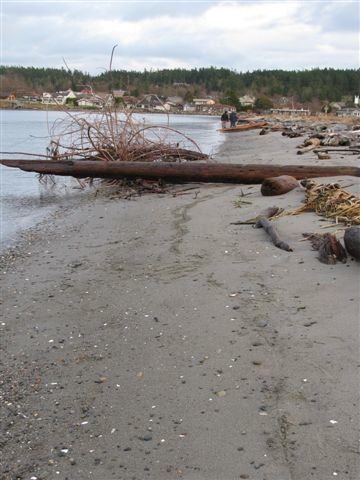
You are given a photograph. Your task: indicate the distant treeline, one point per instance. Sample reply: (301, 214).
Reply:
(323, 84)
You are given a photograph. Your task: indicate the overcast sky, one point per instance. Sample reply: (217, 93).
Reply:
(241, 35)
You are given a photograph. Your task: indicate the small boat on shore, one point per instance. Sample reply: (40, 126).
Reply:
(243, 127)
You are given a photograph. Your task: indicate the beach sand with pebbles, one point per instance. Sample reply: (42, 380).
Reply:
(151, 339)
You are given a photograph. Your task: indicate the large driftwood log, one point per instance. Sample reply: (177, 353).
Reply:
(264, 223)
(352, 241)
(278, 185)
(177, 172)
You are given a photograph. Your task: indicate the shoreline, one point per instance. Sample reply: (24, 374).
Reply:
(150, 338)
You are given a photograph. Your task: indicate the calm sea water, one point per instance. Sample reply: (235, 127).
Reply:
(25, 202)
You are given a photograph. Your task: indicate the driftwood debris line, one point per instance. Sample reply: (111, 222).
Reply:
(177, 172)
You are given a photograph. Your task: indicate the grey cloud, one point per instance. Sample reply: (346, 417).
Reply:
(41, 34)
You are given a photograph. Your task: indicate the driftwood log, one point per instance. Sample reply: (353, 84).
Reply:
(177, 172)
(352, 241)
(264, 223)
(278, 185)
(329, 247)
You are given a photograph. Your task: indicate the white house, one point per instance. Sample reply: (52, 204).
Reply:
(58, 98)
(118, 93)
(90, 101)
(290, 111)
(356, 100)
(176, 100)
(202, 102)
(189, 107)
(348, 112)
(247, 100)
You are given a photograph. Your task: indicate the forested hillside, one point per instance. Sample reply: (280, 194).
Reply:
(322, 84)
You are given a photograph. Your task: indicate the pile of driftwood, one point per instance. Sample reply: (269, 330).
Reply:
(328, 200)
(321, 138)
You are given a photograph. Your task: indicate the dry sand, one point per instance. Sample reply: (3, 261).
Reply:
(151, 339)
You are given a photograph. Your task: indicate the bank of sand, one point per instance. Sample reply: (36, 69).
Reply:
(151, 338)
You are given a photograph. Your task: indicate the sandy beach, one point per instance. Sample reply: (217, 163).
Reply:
(151, 339)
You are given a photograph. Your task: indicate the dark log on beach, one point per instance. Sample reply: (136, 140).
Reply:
(352, 241)
(264, 223)
(177, 172)
(278, 185)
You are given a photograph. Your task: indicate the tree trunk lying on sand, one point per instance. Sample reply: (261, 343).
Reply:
(352, 241)
(177, 172)
(278, 185)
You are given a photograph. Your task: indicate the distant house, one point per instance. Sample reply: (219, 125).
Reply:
(247, 100)
(118, 93)
(189, 107)
(201, 102)
(337, 105)
(153, 102)
(31, 98)
(58, 98)
(90, 101)
(356, 100)
(290, 111)
(51, 99)
(176, 100)
(130, 101)
(220, 108)
(348, 112)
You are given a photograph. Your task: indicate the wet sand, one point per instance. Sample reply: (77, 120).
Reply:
(152, 339)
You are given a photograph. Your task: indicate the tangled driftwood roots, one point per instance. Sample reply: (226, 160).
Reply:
(329, 247)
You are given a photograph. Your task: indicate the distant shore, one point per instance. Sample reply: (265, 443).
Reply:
(321, 118)
(9, 105)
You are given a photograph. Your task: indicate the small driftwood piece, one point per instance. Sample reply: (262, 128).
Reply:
(329, 247)
(352, 241)
(323, 156)
(309, 145)
(264, 223)
(268, 213)
(278, 185)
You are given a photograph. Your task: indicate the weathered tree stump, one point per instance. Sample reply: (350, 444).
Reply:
(278, 185)
(329, 247)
